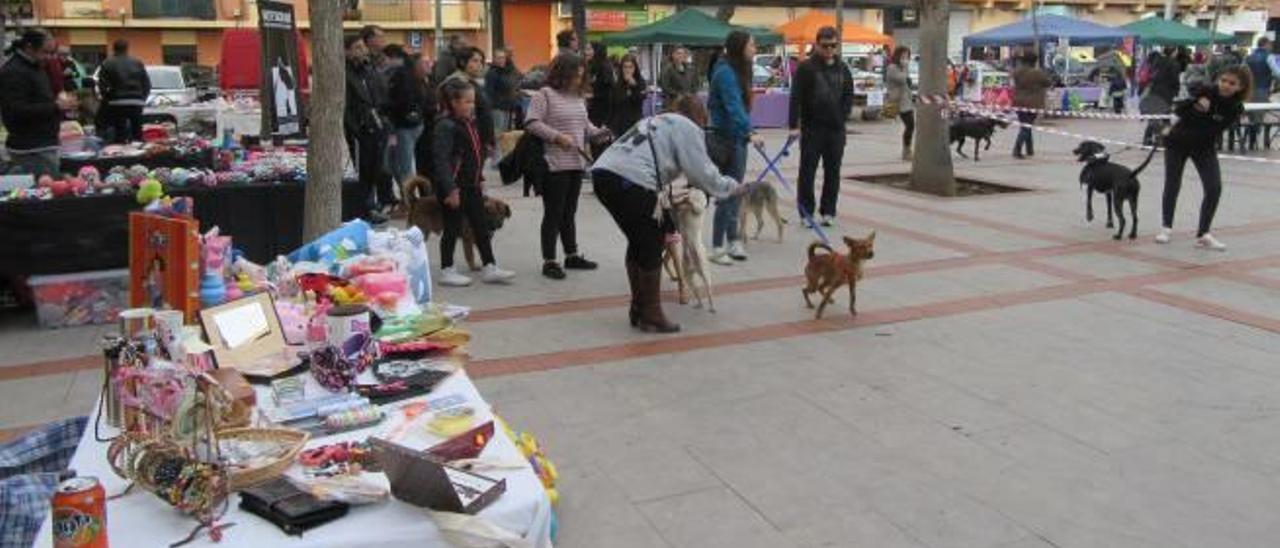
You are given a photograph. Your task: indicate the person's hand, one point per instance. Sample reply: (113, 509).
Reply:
(453, 200)
(563, 141)
(391, 140)
(757, 140)
(741, 189)
(1202, 104)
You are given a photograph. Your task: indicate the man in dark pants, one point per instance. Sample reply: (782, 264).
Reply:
(821, 99)
(31, 112)
(365, 129)
(125, 86)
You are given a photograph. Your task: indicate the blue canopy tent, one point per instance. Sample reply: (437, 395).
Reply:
(1052, 28)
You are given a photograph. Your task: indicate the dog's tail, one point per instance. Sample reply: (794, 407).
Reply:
(416, 188)
(815, 246)
(1143, 166)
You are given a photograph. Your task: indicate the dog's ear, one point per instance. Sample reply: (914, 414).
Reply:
(871, 237)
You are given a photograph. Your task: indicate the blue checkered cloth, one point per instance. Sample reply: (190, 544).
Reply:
(29, 469)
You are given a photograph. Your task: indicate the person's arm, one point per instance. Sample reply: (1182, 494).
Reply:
(538, 108)
(690, 151)
(146, 81)
(665, 81)
(442, 156)
(726, 85)
(846, 92)
(799, 94)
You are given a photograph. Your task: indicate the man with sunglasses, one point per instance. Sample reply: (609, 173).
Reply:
(821, 99)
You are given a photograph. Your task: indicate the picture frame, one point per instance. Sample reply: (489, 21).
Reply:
(246, 334)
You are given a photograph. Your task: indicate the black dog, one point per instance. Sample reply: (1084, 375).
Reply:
(978, 129)
(1117, 182)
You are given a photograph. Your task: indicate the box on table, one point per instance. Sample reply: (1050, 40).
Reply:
(84, 298)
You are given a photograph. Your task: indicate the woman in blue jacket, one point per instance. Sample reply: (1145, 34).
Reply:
(729, 101)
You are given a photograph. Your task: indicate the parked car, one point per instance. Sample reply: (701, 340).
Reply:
(170, 87)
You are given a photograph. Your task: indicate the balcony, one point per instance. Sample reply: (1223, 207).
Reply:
(175, 9)
(414, 13)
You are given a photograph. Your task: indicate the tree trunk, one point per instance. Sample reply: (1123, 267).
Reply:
(323, 205)
(579, 9)
(725, 12)
(931, 170)
(497, 26)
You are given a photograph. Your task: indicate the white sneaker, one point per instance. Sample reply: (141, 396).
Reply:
(1164, 236)
(737, 251)
(828, 221)
(1209, 242)
(491, 274)
(720, 257)
(451, 278)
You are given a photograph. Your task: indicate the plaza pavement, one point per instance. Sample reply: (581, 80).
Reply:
(1016, 379)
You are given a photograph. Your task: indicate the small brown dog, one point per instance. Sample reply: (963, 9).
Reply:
(426, 213)
(828, 271)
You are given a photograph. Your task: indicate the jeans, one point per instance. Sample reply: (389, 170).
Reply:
(559, 208)
(908, 127)
(826, 145)
(471, 209)
(1024, 135)
(725, 222)
(1206, 162)
(120, 123)
(37, 163)
(403, 164)
(632, 208)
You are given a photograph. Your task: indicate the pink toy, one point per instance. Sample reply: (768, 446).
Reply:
(386, 288)
(44, 181)
(78, 185)
(293, 320)
(90, 176)
(370, 265)
(60, 188)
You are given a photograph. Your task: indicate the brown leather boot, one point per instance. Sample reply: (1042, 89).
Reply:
(652, 320)
(633, 276)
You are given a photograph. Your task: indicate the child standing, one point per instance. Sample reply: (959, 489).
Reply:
(1201, 121)
(459, 182)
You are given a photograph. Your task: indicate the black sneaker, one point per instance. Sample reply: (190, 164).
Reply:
(551, 269)
(578, 262)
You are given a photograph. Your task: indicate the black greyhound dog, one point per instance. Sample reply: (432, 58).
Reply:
(974, 127)
(1118, 183)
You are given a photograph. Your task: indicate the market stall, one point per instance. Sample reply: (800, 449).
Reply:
(1057, 34)
(1158, 31)
(802, 31)
(324, 393)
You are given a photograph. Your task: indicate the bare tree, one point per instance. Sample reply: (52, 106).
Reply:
(931, 170)
(323, 205)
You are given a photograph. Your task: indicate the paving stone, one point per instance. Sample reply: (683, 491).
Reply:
(711, 518)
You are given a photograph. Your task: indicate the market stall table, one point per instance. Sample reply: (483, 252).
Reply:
(141, 519)
(90, 233)
(204, 160)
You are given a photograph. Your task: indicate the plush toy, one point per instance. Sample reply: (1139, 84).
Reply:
(293, 321)
(44, 181)
(384, 288)
(90, 176)
(137, 174)
(149, 191)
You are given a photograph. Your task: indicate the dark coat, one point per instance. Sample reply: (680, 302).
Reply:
(27, 105)
(628, 105)
(361, 116)
(503, 86)
(124, 78)
(413, 100)
(1201, 130)
(821, 95)
(458, 155)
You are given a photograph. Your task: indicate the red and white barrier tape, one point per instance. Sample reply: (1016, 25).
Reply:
(987, 113)
(948, 102)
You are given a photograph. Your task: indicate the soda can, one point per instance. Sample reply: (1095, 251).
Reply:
(80, 514)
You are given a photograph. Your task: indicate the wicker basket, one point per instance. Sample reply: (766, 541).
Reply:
(296, 439)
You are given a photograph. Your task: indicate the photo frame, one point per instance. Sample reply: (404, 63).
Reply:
(246, 334)
(164, 263)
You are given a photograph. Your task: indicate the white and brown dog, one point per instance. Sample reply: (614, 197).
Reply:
(685, 256)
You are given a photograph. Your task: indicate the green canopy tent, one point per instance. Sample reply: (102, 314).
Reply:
(1162, 32)
(690, 27)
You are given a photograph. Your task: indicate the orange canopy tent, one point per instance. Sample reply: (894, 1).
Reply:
(804, 29)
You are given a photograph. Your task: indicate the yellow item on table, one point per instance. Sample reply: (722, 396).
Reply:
(451, 422)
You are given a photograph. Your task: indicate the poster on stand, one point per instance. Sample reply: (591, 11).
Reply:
(281, 89)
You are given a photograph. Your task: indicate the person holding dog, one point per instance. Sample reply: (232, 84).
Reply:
(821, 99)
(1200, 123)
(558, 115)
(458, 173)
(729, 102)
(628, 177)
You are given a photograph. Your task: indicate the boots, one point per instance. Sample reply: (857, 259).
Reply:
(633, 276)
(649, 299)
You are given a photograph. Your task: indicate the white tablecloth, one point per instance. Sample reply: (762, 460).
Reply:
(141, 520)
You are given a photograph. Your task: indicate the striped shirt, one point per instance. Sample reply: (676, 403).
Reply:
(552, 114)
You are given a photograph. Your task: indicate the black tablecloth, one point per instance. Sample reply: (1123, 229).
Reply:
(204, 160)
(92, 233)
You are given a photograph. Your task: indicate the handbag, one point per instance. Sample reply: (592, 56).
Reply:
(291, 509)
(720, 148)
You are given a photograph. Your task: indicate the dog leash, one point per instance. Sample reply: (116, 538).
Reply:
(771, 166)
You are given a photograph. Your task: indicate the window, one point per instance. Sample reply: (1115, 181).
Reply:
(178, 55)
(89, 56)
(192, 9)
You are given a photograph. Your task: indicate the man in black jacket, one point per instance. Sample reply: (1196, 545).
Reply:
(125, 86)
(29, 109)
(821, 99)
(366, 129)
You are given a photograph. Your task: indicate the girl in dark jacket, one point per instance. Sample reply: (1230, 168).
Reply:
(628, 100)
(1201, 121)
(459, 182)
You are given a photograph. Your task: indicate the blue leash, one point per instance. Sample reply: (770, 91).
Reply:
(771, 166)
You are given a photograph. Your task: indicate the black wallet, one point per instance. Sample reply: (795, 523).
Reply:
(289, 508)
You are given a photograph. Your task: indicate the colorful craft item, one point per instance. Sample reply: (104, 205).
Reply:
(412, 349)
(384, 288)
(336, 368)
(353, 419)
(338, 453)
(542, 466)
(451, 422)
(149, 191)
(467, 445)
